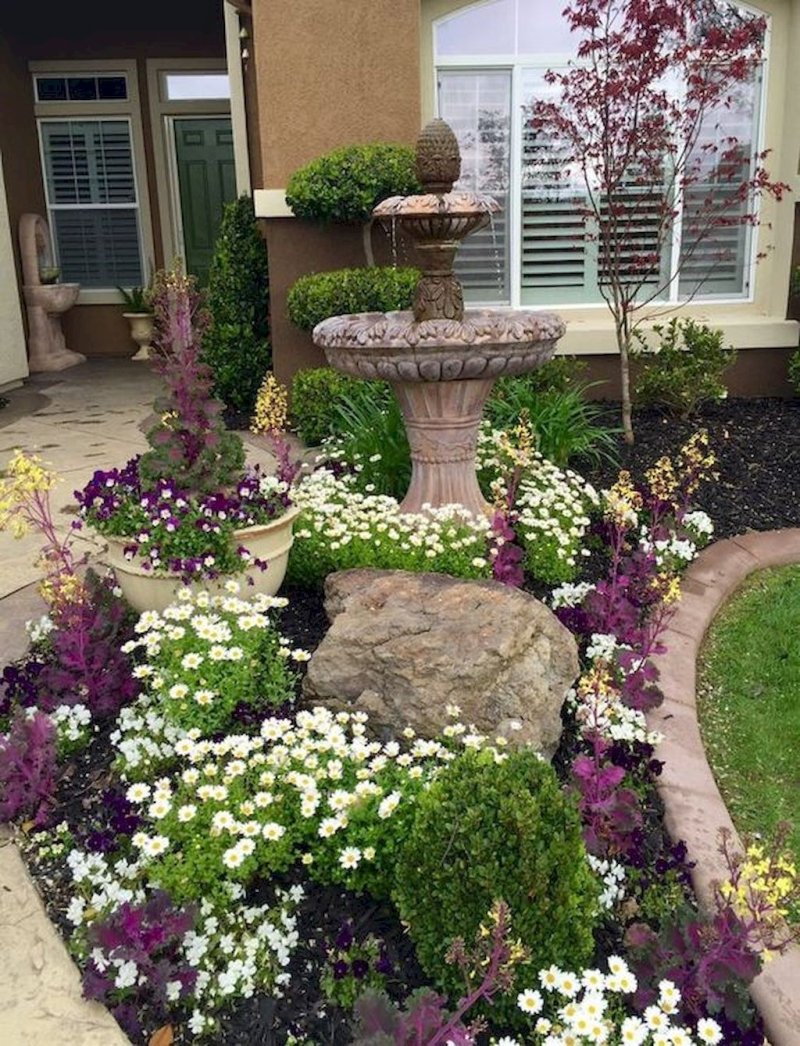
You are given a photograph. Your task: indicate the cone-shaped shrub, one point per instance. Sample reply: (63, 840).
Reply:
(236, 345)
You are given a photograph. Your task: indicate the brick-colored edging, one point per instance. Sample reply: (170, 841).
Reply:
(695, 811)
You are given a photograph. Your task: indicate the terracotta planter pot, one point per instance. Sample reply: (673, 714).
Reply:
(145, 590)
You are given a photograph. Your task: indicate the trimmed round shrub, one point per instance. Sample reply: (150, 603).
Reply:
(236, 345)
(345, 185)
(486, 831)
(324, 294)
(315, 397)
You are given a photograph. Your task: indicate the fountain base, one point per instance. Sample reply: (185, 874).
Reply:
(442, 421)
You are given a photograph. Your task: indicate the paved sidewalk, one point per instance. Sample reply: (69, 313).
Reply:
(89, 417)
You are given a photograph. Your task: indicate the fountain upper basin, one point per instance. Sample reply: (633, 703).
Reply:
(393, 346)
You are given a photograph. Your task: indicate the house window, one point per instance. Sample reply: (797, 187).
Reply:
(92, 155)
(195, 86)
(110, 88)
(490, 62)
(92, 201)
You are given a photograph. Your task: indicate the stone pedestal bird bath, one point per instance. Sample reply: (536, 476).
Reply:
(440, 359)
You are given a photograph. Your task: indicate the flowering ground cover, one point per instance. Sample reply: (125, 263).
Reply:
(245, 869)
(747, 705)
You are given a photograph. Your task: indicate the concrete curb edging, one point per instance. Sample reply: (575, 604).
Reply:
(695, 810)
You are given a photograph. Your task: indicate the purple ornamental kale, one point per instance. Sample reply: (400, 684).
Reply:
(27, 767)
(150, 936)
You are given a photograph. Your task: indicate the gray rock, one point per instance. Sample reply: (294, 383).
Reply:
(403, 646)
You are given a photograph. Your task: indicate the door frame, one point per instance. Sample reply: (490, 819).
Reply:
(162, 117)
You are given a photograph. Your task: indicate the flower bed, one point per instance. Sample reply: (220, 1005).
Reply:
(224, 860)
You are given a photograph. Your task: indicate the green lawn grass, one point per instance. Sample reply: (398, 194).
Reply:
(749, 702)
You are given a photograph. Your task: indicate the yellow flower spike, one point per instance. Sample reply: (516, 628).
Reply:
(272, 407)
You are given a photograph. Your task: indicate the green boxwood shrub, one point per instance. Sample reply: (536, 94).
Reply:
(315, 398)
(486, 831)
(236, 346)
(321, 295)
(345, 185)
(686, 367)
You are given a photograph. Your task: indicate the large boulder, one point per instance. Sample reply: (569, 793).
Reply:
(403, 646)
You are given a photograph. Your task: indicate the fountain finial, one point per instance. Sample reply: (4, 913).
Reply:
(438, 158)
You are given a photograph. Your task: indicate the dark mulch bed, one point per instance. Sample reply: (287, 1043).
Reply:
(757, 444)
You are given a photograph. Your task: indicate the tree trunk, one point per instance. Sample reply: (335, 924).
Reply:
(366, 233)
(623, 344)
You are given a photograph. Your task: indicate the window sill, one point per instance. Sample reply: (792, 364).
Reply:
(99, 297)
(595, 336)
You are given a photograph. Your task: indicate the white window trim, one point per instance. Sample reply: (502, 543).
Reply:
(108, 108)
(516, 63)
(162, 115)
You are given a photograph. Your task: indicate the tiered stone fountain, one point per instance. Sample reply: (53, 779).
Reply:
(440, 359)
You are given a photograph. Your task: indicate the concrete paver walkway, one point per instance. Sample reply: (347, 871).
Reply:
(86, 418)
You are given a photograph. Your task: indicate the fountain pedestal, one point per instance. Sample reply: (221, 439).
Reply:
(442, 421)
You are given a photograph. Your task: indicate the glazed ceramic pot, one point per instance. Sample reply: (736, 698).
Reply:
(269, 542)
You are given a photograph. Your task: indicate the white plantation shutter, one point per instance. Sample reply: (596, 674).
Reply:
(637, 248)
(491, 61)
(478, 108)
(92, 199)
(557, 262)
(719, 263)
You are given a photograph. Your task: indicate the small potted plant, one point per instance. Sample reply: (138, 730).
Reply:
(49, 274)
(139, 314)
(188, 510)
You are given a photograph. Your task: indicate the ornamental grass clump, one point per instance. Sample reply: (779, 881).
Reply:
(488, 830)
(180, 504)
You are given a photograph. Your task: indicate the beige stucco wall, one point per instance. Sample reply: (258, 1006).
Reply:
(328, 74)
(756, 324)
(13, 357)
(332, 73)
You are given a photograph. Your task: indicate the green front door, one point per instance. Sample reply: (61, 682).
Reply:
(206, 182)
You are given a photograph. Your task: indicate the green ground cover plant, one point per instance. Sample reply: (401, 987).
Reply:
(748, 702)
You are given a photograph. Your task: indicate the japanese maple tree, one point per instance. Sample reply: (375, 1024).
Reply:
(634, 128)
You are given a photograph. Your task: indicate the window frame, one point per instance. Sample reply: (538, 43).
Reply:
(103, 109)
(517, 64)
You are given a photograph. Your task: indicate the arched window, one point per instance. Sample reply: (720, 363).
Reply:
(490, 62)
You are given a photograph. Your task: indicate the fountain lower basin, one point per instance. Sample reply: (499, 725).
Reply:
(442, 372)
(394, 347)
